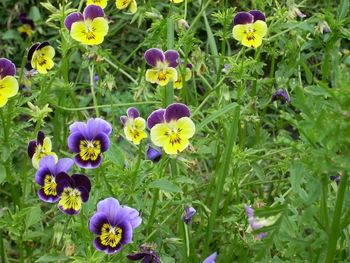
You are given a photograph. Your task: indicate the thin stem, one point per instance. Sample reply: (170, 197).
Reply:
(107, 105)
(92, 86)
(121, 70)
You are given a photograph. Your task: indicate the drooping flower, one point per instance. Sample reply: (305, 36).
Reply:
(178, 84)
(8, 83)
(171, 128)
(122, 4)
(72, 191)
(281, 95)
(40, 56)
(134, 126)
(89, 140)
(211, 258)
(147, 253)
(88, 28)
(27, 27)
(100, 3)
(323, 27)
(163, 64)
(188, 214)
(154, 154)
(113, 224)
(46, 177)
(255, 223)
(40, 148)
(249, 28)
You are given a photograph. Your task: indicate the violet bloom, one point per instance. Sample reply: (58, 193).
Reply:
(134, 126)
(154, 154)
(27, 27)
(147, 254)
(188, 214)
(73, 191)
(255, 223)
(89, 140)
(281, 95)
(113, 224)
(8, 82)
(46, 177)
(211, 258)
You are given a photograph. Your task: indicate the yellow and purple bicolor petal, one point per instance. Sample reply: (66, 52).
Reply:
(249, 28)
(171, 128)
(100, 3)
(113, 224)
(40, 148)
(8, 83)
(122, 4)
(88, 28)
(89, 140)
(46, 177)
(72, 191)
(27, 27)
(134, 126)
(40, 56)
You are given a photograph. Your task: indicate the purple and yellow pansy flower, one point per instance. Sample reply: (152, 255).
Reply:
(122, 4)
(40, 56)
(134, 126)
(89, 140)
(8, 83)
(249, 28)
(88, 28)
(171, 128)
(27, 27)
(100, 3)
(46, 177)
(178, 84)
(40, 148)
(72, 191)
(164, 66)
(113, 224)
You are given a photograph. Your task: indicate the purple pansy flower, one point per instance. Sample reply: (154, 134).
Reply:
(27, 27)
(89, 140)
(46, 177)
(73, 191)
(255, 223)
(188, 214)
(281, 95)
(113, 224)
(154, 154)
(147, 253)
(8, 83)
(211, 258)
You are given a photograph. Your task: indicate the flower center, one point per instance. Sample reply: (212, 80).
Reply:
(89, 150)
(174, 136)
(161, 76)
(50, 185)
(250, 34)
(89, 30)
(110, 236)
(71, 199)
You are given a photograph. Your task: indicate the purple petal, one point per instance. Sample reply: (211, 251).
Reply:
(63, 180)
(211, 258)
(154, 154)
(137, 256)
(257, 15)
(243, 18)
(172, 57)
(79, 127)
(42, 45)
(189, 213)
(156, 117)
(133, 216)
(249, 211)
(48, 162)
(96, 126)
(7, 68)
(84, 193)
(104, 141)
(69, 211)
(41, 174)
(63, 165)
(123, 120)
(281, 95)
(31, 51)
(111, 208)
(31, 148)
(40, 138)
(176, 111)
(87, 164)
(153, 55)
(126, 232)
(133, 113)
(93, 11)
(73, 141)
(72, 18)
(106, 249)
(96, 222)
(82, 180)
(47, 198)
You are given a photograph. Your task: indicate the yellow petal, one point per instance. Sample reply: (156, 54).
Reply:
(152, 75)
(101, 3)
(133, 7)
(140, 123)
(90, 32)
(185, 127)
(167, 75)
(3, 101)
(260, 28)
(171, 148)
(254, 43)
(42, 59)
(101, 26)
(159, 134)
(8, 87)
(47, 145)
(178, 83)
(176, 1)
(78, 31)
(122, 4)
(239, 31)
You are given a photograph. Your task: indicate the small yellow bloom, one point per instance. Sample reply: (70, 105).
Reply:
(178, 84)
(25, 29)
(162, 75)
(134, 126)
(100, 3)
(122, 4)
(8, 83)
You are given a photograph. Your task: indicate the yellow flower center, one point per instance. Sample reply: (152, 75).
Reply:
(49, 186)
(89, 150)
(174, 136)
(89, 31)
(110, 236)
(250, 34)
(71, 199)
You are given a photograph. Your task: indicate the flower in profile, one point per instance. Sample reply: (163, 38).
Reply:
(163, 64)
(88, 28)
(147, 253)
(122, 4)
(46, 177)
(171, 128)
(72, 191)
(100, 3)
(256, 223)
(178, 84)
(27, 27)
(294, 11)
(281, 95)
(154, 154)
(324, 28)
(40, 56)
(113, 224)
(188, 214)
(40, 148)
(211, 258)
(89, 140)
(249, 28)
(134, 126)
(8, 83)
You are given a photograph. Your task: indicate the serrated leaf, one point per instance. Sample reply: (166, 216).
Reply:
(165, 185)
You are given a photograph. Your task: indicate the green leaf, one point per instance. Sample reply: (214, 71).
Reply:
(165, 185)
(2, 173)
(51, 258)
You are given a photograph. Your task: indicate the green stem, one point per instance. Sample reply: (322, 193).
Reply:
(106, 106)
(169, 90)
(92, 86)
(324, 210)
(2, 249)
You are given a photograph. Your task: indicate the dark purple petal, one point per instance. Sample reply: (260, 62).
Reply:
(96, 126)
(133, 113)
(153, 55)
(41, 174)
(82, 180)
(97, 221)
(137, 256)
(172, 57)
(47, 198)
(189, 65)
(72, 18)
(154, 154)
(176, 111)
(211, 258)
(123, 120)
(257, 15)
(243, 18)
(31, 148)
(189, 213)
(111, 208)
(87, 164)
(42, 45)
(104, 141)
(32, 50)
(261, 235)
(22, 17)
(84, 193)
(156, 117)
(7, 68)
(93, 11)
(74, 140)
(281, 95)
(63, 180)
(69, 211)
(63, 165)
(40, 137)
(126, 232)
(106, 249)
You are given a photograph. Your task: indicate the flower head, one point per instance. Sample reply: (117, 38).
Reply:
(40, 148)
(88, 28)
(188, 214)
(8, 83)
(27, 27)
(249, 28)
(178, 84)
(46, 177)
(211, 258)
(147, 253)
(134, 126)
(122, 4)
(164, 64)
(254, 222)
(40, 56)
(89, 140)
(281, 95)
(72, 191)
(171, 128)
(100, 3)
(154, 154)
(113, 224)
